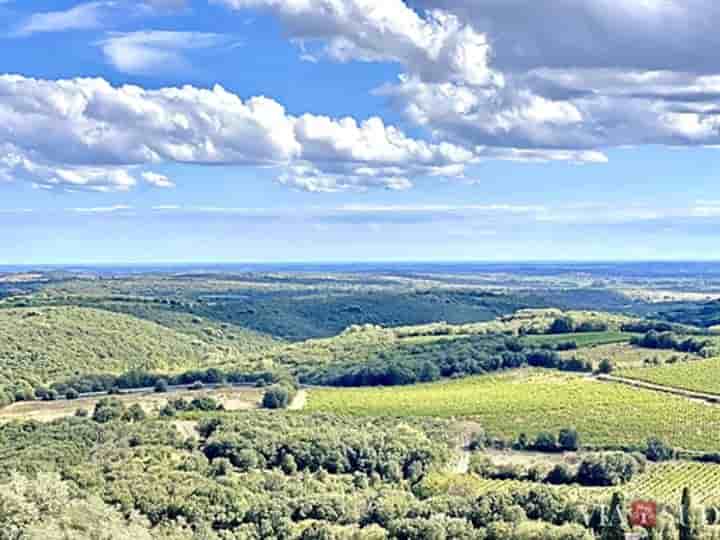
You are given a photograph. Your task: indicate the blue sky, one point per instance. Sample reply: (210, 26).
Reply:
(273, 130)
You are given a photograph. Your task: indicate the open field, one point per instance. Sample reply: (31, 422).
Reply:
(697, 376)
(626, 355)
(584, 339)
(233, 399)
(529, 401)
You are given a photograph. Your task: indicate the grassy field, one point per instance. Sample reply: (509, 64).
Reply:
(46, 343)
(699, 376)
(528, 402)
(662, 483)
(626, 355)
(585, 339)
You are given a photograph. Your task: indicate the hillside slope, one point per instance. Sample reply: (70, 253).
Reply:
(42, 344)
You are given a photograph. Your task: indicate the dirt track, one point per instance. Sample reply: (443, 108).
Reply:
(699, 396)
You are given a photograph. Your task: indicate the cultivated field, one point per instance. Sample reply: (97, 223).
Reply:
(698, 376)
(662, 483)
(528, 401)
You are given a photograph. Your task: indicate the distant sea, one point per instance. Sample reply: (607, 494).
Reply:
(654, 269)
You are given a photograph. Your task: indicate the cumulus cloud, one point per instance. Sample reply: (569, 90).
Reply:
(576, 78)
(155, 51)
(65, 133)
(437, 47)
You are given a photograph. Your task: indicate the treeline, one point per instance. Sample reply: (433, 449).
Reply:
(108, 383)
(275, 442)
(671, 341)
(594, 470)
(410, 364)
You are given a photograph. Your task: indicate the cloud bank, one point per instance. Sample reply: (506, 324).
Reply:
(88, 134)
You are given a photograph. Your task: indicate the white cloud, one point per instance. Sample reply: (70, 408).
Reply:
(574, 79)
(15, 166)
(97, 132)
(155, 51)
(102, 209)
(157, 180)
(81, 17)
(437, 47)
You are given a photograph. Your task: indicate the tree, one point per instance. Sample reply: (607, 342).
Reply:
(72, 394)
(161, 386)
(606, 366)
(562, 325)
(545, 442)
(569, 439)
(614, 528)
(276, 397)
(107, 410)
(691, 521)
(288, 465)
(657, 450)
(560, 475)
(134, 414)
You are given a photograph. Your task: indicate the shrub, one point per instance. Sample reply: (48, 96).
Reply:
(135, 413)
(569, 440)
(545, 442)
(161, 386)
(609, 469)
(657, 450)
(107, 410)
(606, 366)
(277, 397)
(72, 394)
(560, 475)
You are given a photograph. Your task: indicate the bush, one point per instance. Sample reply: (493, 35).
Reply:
(107, 410)
(545, 442)
(277, 397)
(562, 325)
(606, 366)
(569, 440)
(134, 414)
(72, 394)
(657, 450)
(161, 386)
(560, 475)
(609, 469)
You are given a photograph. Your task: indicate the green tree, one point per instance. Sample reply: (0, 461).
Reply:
(107, 410)
(135, 413)
(569, 439)
(606, 366)
(614, 527)
(276, 397)
(691, 520)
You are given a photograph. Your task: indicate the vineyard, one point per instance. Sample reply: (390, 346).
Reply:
(698, 376)
(666, 481)
(528, 401)
(662, 483)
